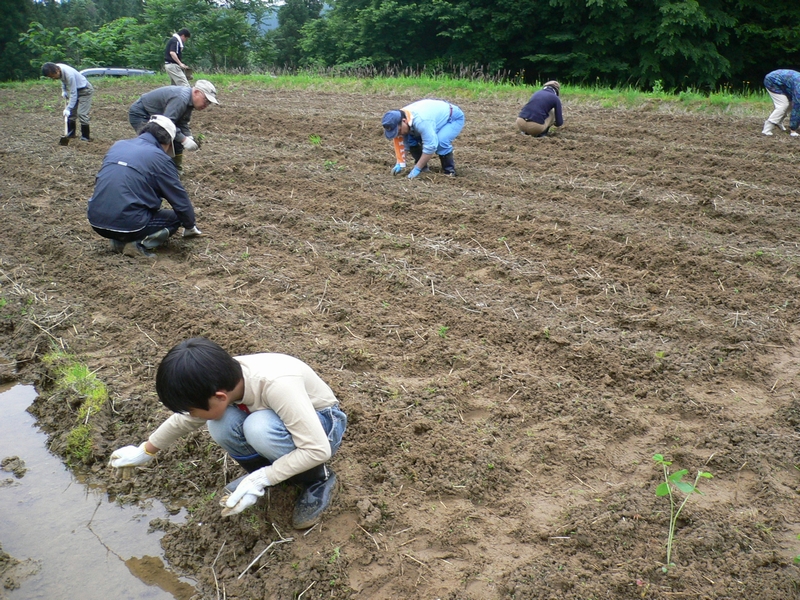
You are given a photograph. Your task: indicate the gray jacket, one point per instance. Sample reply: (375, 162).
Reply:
(172, 101)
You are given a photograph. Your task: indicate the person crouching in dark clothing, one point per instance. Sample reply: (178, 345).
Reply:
(542, 111)
(136, 174)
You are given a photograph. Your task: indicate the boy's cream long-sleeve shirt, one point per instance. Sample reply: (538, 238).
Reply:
(289, 387)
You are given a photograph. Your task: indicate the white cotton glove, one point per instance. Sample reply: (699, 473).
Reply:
(193, 232)
(130, 456)
(246, 493)
(65, 95)
(189, 144)
(67, 112)
(794, 134)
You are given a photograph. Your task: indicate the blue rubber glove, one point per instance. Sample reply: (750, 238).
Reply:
(397, 168)
(414, 172)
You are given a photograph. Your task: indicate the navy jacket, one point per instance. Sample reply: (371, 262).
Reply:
(135, 176)
(540, 104)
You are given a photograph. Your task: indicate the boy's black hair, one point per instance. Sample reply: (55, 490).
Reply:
(192, 372)
(158, 132)
(49, 68)
(185, 32)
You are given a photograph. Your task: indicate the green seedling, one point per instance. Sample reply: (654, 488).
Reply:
(314, 139)
(442, 331)
(673, 482)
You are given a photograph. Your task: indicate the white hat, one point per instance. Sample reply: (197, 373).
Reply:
(167, 125)
(205, 86)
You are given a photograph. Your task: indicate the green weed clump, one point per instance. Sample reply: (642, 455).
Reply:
(82, 388)
(79, 443)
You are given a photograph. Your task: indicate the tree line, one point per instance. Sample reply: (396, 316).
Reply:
(666, 44)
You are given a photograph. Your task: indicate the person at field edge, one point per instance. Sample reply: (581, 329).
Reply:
(542, 111)
(271, 412)
(77, 91)
(783, 86)
(425, 127)
(176, 103)
(173, 63)
(136, 174)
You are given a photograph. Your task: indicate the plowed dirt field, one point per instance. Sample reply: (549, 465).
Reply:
(512, 346)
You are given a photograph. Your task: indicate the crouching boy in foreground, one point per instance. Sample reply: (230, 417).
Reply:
(271, 412)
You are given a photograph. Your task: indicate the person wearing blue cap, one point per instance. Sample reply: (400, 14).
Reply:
(425, 127)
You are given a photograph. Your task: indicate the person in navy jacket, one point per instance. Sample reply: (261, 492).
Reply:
(136, 174)
(542, 111)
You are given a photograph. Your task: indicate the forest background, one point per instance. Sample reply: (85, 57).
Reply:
(700, 45)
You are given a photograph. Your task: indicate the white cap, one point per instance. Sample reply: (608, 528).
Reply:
(167, 125)
(205, 86)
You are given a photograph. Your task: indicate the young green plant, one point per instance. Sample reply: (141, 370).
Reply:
(672, 483)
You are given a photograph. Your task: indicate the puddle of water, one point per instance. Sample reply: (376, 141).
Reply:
(83, 545)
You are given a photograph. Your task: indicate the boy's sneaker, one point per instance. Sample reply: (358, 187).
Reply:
(313, 501)
(137, 250)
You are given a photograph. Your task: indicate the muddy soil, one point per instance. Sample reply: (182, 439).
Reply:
(512, 346)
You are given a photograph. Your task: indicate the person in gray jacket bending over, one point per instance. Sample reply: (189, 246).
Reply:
(271, 412)
(77, 91)
(177, 104)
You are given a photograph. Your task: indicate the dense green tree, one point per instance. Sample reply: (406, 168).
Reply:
(674, 43)
(15, 59)
(291, 18)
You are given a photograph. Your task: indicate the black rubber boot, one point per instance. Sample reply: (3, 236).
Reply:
(154, 240)
(448, 164)
(71, 124)
(416, 152)
(320, 484)
(250, 465)
(85, 137)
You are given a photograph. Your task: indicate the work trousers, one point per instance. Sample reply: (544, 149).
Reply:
(84, 104)
(176, 75)
(534, 128)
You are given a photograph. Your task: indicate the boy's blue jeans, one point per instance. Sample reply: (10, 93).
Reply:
(262, 433)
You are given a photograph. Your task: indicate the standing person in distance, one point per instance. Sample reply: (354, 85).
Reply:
(783, 87)
(173, 63)
(126, 205)
(176, 103)
(542, 111)
(425, 127)
(77, 91)
(271, 412)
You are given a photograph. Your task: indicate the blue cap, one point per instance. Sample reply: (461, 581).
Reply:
(391, 123)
